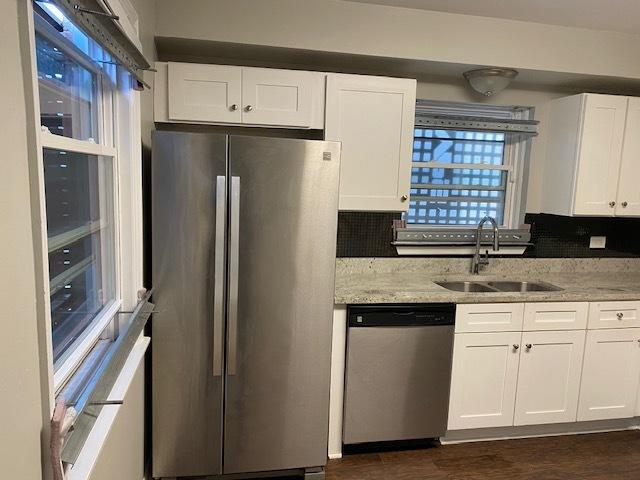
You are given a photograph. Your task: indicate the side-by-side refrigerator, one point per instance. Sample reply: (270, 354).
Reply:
(244, 243)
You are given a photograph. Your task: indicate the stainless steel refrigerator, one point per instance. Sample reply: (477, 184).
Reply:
(244, 238)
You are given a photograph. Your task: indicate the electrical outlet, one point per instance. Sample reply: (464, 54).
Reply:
(597, 242)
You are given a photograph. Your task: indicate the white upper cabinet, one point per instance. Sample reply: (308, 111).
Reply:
(483, 380)
(610, 374)
(592, 156)
(277, 97)
(549, 377)
(223, 94)
(373, 117)
(204, 93)
(628, 199)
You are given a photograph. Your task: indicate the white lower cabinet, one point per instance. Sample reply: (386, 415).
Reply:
(483, 381)
(610, 374)
(503, 376)
(549, 377)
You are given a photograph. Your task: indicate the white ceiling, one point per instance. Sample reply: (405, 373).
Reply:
(613, 15)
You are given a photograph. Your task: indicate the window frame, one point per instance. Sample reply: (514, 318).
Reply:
(515, 158)
(118, 113)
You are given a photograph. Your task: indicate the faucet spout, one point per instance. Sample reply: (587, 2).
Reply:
(477, 259)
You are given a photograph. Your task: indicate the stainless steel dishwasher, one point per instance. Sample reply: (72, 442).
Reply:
(398, 372)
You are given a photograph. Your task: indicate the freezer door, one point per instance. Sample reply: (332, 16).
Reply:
(282, 246)
(188, 215)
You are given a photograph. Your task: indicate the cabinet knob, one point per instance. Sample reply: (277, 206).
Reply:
(248, 108)
(624, 204)
(404, 198)
(516, 346)
(619, 315)
(233, 107)
(528, 345)
(612, 204)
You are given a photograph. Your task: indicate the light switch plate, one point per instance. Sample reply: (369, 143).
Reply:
(597, 242)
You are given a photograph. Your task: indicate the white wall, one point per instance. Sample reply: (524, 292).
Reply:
(23, 400)
(419, 35)
(146, 10)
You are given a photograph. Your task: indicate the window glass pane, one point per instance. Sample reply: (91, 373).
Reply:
(68, 93)
(457, 146)
(457, 193)
(72, 69)
(79, 206)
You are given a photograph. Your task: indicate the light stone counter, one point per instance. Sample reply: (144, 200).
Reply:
(411, 280)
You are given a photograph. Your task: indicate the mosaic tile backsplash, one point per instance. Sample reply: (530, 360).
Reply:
(369, 234)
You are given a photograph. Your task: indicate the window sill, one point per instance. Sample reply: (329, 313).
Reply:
(90, 452)
(449, 250)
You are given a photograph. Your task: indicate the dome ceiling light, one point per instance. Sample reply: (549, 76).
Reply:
(489, 81)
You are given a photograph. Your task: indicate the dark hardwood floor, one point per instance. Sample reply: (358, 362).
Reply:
(605, 456)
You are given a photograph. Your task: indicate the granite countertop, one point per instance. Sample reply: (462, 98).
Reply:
(589, 280)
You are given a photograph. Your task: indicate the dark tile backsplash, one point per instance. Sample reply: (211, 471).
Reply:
(366, 234)
(555, 236)
(369, 234)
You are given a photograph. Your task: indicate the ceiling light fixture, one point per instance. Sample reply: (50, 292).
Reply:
(489, 81)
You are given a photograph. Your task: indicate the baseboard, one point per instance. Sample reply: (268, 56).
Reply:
(510, 433)
(335, 456)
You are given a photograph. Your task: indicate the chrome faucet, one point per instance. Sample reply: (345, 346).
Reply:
(477, 258)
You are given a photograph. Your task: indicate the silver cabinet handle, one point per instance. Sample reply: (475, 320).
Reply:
(528, 345)
(404, 198)
(619, 315)
(218, 275)
(624, 204)
(248, 108)
(516, 346)
(612, 204)
(233, 107)
(234, 258)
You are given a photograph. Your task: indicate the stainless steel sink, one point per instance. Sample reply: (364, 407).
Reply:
(523, 287)
(466, 286)
(498, 286)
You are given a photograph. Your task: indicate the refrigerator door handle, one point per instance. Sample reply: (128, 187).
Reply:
(218, 275)
(234, 256)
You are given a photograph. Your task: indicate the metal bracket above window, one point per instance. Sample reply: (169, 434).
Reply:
(98, 20)
(525, 127)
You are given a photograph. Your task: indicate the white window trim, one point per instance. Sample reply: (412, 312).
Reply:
(515, 163)
(127, 183)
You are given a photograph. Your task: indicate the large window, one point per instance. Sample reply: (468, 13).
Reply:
(461, 175)
(466, 178)
(79, 85)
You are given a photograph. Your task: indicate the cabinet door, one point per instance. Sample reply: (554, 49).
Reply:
(549, 377)
(373, 117)
(204, 93)
(599, 154)
(276, 97)
(555, 316)
(483, 380)
(610, 374)
(489, 317)
(628, 202)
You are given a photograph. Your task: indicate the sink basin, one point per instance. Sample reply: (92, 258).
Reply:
(466, 286)
(498, 286)
(507, 286)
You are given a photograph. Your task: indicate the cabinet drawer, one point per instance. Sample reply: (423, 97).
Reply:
(614, 314)
(556, 316)
(489, 317)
